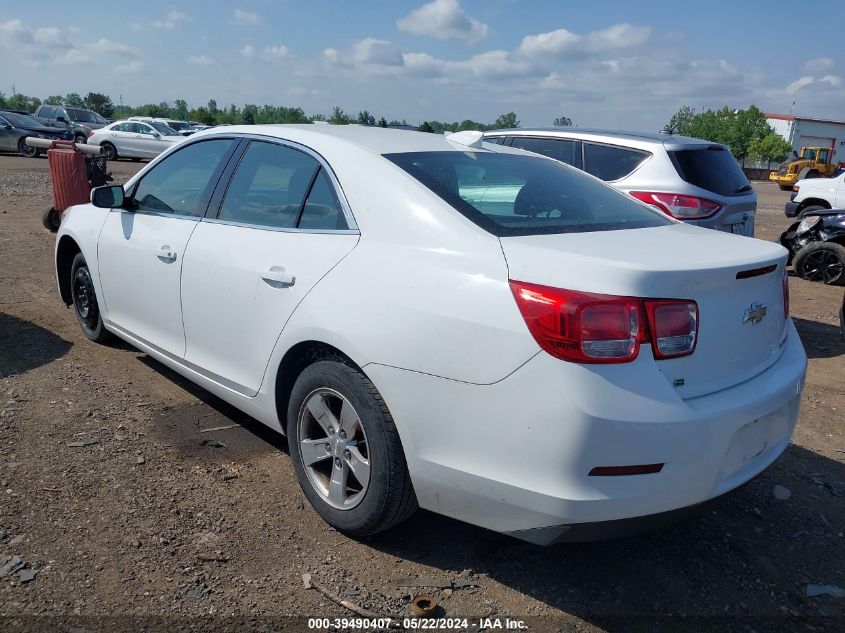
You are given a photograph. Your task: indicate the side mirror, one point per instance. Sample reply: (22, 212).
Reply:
(109, 197)
(61, 119)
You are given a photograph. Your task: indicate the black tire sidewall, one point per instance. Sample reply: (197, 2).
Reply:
(99, 333)
(109, 151)
(52, 219)
(79, 139)
(801, 256)
(346, 381)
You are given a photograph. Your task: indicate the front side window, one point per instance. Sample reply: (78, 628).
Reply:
(46, 113)
(565, 151)
(510, 194)
(269, 186)
(611, 163)
(178, 183)
(145, 129)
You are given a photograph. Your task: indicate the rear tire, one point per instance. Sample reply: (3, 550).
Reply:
(821, 261)
(52, 219)
(109, 151)
(366, 428)
(79, 139)
(85, 302)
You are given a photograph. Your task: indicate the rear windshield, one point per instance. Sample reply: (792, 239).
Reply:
(20, 120)
(511, 194)
(713, 168)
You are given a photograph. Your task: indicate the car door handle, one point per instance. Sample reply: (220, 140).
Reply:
(278, 275)
(166, 253)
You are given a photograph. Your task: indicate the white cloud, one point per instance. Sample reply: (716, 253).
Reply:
(248, 51)
(833, 80)
(246, 18)
(200, 60)
(267, 54)
(796, 85)
(564, 43)
(331, 55)
(131, 68)
(377, 52)
(616, 37)
(15, 32)
(443, 19)
(552, 43)
(104, 46)
(818, 64)
(172, 19)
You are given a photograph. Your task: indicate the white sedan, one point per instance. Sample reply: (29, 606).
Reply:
(437, 322)
(134, 139)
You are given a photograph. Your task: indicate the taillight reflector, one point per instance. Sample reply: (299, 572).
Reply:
(586, 327)
(621, 471)
(678, 205)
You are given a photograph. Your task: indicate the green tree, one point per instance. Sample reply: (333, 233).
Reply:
(213, 110)
(562, 121)
(771, 148)
(73, 100)
(425, 127)
(54, 100)
(507, 120)
(735, 128)
(99, 103)
(339, 117)
(21, 102)
(180, 109)
(365, 118)
(382, 122)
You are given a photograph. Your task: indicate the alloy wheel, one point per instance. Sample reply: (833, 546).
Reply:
(333, 448)
(84, 298)
(823, 265)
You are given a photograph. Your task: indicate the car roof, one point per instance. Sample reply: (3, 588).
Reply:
(376, 140)
(609, 136)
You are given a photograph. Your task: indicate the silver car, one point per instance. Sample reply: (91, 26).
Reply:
(689, 179)
(134, 139)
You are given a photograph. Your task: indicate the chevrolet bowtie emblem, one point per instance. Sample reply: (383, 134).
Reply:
(755, 313)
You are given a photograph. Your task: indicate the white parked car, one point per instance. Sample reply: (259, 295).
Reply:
(688, 179)
(134, 139)
(816, 194)
(477, 330)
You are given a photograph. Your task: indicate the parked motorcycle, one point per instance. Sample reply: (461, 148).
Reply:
(816, 246)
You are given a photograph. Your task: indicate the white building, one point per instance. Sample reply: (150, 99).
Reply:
(802, 131)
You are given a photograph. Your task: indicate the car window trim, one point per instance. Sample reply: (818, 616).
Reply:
(579, 149)
(205, 198)
(213, 215)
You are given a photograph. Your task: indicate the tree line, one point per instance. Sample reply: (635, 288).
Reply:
(249, 114)
(746, 132)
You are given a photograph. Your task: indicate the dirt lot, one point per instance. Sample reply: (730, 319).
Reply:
(115, 494)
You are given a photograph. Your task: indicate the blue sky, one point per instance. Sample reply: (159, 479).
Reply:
(610, 64)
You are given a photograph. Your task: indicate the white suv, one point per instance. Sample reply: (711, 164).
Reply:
(689, 179)
(813, 194)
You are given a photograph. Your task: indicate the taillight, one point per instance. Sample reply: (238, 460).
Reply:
(785, 285)
(679, 206)
(585, 327)
(673, 325)
(90, 133)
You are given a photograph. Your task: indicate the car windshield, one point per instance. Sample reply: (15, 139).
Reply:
(179, 125)
(511, 194)
(20, 120)
(163, 128)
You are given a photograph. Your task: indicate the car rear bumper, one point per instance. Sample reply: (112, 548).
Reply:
(515, 456)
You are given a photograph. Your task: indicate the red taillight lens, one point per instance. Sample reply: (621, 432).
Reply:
(679, 206)
(785, 284)
(580, 326)
(90, 133)
(673, 325)
(585, 327)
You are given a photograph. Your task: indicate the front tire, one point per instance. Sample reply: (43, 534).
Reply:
(85, 302)
(346, 451)
(109, 151)
(52, 219)
(27, 151)
(79, 139)
(821, 261)
(809, 209)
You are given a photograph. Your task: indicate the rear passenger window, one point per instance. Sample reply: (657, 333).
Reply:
(565, 151)
(498, 140)
(269, 186)
(611, 163)
(322, 209)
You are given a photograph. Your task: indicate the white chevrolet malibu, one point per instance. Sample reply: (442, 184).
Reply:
(436, 322)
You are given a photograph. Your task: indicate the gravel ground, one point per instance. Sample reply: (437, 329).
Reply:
(121, 508)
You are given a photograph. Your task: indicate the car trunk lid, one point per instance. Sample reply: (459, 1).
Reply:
(737, 283)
